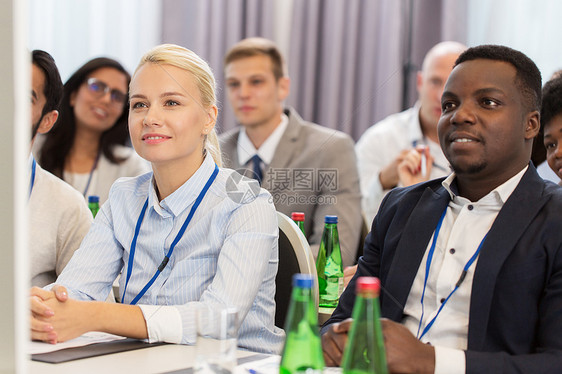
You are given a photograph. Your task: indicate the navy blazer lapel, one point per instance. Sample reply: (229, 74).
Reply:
(517, 213)
(411, 248)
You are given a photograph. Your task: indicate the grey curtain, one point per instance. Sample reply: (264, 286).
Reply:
(345, 61)
(351, 62)
(354, 62)
(210, 28)
(431, 21)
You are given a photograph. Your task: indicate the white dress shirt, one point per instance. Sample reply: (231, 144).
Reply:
(464, 227)
(267, 150)
(381, 144)
(227, 257)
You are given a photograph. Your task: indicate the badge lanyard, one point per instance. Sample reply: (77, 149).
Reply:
(170, 251)
(92, 173)
(427, 267)
(32, 181)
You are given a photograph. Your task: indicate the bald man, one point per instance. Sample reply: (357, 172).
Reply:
(403, 149)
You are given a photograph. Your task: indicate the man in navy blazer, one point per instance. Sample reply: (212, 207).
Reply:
(497, 308)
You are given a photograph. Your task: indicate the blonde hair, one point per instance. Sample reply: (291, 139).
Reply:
(183, 58)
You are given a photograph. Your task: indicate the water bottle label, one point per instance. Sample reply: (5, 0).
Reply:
(334, 288)
(340, 286)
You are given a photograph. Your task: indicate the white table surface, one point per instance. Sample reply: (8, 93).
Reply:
(158, 359)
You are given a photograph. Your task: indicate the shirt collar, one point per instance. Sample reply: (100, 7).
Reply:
(502, 192)
(246, 149)
(416, 134)
(30, 161)
(183, 197)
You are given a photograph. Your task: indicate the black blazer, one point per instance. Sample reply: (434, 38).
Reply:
(515, 318)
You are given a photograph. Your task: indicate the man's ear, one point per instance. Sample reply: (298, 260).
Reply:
(532, 124)
(419, 81)
(283, 86)
(48, 121)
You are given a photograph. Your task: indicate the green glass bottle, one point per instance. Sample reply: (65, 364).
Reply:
(364, 352)
(302, 352)
(94, 204)
(298, 217)
(329, 265)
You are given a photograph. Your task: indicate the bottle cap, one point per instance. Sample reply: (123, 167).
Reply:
(331, 219)
(93, 199)
(303, 280)
(297, 216)
(368, 284)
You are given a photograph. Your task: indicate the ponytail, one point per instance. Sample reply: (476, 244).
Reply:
(212, 146)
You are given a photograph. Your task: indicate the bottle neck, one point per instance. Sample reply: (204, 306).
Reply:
(331, 229)
(304, 306)
(365, 351)
(330, 239)
(367, 294)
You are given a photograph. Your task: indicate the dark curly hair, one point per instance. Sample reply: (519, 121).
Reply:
(527, 78)
(550, 108)
(59, 140)
(551, 101)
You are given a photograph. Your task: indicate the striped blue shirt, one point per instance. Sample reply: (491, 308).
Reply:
(227, 257)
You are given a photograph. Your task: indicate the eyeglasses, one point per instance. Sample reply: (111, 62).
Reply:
(100, 89)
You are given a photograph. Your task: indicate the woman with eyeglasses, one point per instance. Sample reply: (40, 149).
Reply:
(87, 147)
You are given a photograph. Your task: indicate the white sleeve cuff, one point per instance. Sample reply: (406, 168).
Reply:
(449, 361)
(163, 323)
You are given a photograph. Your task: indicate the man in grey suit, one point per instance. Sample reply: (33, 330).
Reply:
(306, 167)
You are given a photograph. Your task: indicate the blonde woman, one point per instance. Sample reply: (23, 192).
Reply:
(182, 242)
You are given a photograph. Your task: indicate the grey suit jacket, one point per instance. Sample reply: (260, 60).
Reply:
(314, 170)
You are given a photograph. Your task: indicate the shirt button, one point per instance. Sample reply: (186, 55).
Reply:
(442, 300)
(470, 207)
(452, 251)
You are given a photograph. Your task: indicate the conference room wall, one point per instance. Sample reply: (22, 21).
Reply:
(351, 62)
(14, 150)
